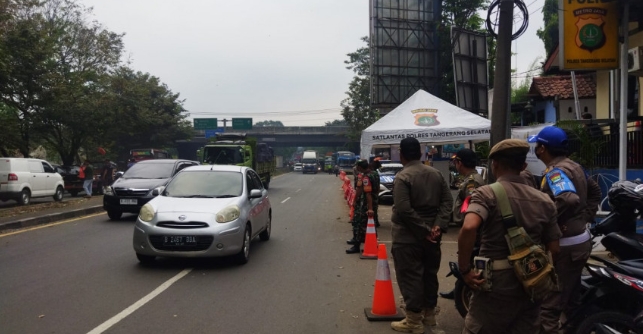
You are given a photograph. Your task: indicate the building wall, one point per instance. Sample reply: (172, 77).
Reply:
(634, 41)
(602, 94)
(568, 111)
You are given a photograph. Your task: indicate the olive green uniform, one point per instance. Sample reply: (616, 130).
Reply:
(365, 187)
(422, 199)
(471, 181)
(507, 308)
(575, 209)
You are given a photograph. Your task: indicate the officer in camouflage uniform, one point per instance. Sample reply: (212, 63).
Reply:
(465, 163)
(363, 204)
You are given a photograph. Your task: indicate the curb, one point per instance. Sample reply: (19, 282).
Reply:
(50, 218)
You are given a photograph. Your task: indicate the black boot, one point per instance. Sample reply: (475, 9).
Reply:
(447, 295)
(353, 250)
(352, 242)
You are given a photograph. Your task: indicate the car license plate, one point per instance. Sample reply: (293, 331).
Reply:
(128, 201)
(179, 240)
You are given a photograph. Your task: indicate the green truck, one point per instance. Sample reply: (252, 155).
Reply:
(240, 150)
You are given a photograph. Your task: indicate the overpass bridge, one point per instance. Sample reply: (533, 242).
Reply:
(287, 136)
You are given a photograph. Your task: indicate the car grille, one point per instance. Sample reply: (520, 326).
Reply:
(203, 243)
(182, 225)
(130, 192)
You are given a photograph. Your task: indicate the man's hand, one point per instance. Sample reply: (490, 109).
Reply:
(473, 280)
(370, 212)
(435, 234)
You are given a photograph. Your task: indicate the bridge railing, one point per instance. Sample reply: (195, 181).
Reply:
(287, 130)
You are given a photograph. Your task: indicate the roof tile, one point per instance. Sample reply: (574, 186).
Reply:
(561, 86)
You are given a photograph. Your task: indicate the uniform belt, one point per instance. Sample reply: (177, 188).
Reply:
(501, 265)
(575, 240)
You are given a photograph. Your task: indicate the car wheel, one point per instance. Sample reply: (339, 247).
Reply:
(244, 254)
(265, 234)
(58, 196)
(73, 193)
(25, 197)
(145, 259)
(114, 214)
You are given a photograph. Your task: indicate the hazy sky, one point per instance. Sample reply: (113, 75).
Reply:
(265, 59)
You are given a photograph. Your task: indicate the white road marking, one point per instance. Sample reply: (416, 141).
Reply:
(297, 190)
(23, 230)
(115, 319)
(284, 201)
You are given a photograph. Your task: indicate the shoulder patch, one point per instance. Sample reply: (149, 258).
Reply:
(559, 182)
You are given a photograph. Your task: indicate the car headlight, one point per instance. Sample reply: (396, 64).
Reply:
(228, 214)
(109, 191)
(147, 213)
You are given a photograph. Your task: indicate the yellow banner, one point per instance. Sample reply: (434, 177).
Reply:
(588, 34)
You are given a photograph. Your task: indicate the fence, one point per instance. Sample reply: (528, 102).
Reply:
(610, 150)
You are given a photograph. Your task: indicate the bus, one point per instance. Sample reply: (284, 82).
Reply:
(141, 154)
(345, 160)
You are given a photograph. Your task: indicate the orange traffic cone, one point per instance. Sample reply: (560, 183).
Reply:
(384, 308)
(370, 246)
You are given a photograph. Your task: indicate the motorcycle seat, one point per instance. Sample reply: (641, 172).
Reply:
(625, 246)
(631, 267)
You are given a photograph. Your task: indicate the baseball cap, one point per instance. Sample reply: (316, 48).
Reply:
(550, 136)
(467, 156)
(361, 163)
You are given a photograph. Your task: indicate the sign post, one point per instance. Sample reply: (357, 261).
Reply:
(588, 35)
(242, 123)
(205, 123)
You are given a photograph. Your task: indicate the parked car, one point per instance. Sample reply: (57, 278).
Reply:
(204, 211)
(74, 185)
(134, 189)
(298, 167)
(23, 178)
(387, 176)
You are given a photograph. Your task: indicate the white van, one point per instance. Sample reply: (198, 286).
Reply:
(309, 162)
(24, 178)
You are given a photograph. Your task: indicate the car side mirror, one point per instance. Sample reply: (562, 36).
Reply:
(157, 191)
(255, 193)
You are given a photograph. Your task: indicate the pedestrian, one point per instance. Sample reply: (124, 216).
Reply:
(577, 198)
(108, 174)
(336, 169)
(89, 179)
(505, 307)
(421, 213)
(363, 205)
(465, 161)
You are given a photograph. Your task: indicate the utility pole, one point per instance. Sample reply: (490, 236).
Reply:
(501, 108)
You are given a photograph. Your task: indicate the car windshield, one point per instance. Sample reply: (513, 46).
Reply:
(390, 170)
(150, 171)
(205, 184)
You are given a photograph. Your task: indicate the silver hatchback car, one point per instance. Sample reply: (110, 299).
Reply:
(204, 211)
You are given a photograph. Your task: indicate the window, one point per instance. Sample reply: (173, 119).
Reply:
(35, 167)
(250, 182)
(47, 167)
(258, 183)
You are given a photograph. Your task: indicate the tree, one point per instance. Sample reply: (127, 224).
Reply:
(337, 122)
(549, 33)
(520, 90)
(356, 108)
(269, 123)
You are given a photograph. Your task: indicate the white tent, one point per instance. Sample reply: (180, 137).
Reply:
(430, 120)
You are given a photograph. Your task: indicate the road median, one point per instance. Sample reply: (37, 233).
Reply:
(47, 213)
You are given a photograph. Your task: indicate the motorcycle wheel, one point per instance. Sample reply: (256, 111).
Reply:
(462, 295)
(618, 321)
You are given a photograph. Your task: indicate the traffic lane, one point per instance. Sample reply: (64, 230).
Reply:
(300, 280)
(69, 277)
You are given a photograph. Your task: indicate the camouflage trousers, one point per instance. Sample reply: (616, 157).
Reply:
(359, 222)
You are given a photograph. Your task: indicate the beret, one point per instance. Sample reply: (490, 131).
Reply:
(509, 147)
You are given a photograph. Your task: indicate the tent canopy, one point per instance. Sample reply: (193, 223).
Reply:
(430, 120)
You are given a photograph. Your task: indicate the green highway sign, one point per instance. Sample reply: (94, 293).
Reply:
(205, 123)
(242, 123)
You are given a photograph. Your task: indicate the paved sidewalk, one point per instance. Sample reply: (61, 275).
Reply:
(44, 213)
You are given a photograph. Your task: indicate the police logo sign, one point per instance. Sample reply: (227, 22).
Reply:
(590, 34)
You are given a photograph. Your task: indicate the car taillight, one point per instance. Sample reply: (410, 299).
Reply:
(12, 177)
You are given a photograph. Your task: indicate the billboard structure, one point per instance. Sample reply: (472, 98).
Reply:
(470, 71)
(404, 50)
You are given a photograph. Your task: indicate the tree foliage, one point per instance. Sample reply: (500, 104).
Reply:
(549, 33)
(336, 122)
(356, 108)
(62, 85)
(270, 123)
(520, 90)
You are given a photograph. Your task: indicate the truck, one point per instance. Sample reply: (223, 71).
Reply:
(240, 150)
(309, 161)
